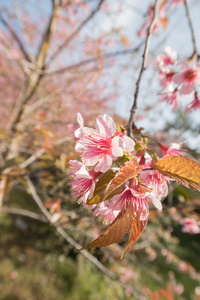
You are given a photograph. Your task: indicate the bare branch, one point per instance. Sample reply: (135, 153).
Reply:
(15, 36)
(40, 152)
(76, 31)
(191, 29)
(143, 67)
(33, 80)
(24, 212)
(95, 59)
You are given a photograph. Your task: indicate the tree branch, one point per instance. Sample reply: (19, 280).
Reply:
(143, 67)
(24, 213)
(76, 31)
(17, 39)
(191, 29)
(94, 59)
(34, 77)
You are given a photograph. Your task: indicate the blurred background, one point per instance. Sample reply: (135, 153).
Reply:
(58, 58)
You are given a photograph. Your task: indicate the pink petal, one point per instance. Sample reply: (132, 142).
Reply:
(90, 161)
(105, 125)
(156, 202)
(129, 143)
(187, 88)
(104, 163)
(179, 78)
(117, 146)
(80, 120)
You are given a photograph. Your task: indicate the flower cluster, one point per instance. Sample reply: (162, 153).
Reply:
(178, 80)
(105, 150)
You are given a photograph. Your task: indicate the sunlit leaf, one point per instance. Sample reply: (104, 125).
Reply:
(129, 171)
(124, 40)
(181, 169)
(136, 230)
(116, 231)
(164, 22)
(101, 186)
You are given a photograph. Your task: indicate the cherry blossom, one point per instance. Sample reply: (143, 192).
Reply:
(131, 197)
(172, 98)
(157, 184)
(194, 104)
(105, 210)
(165, 78)
(169, 58)
(83, 181)
(101, 146)
(173, 150)
(188, 78)
(190, 226)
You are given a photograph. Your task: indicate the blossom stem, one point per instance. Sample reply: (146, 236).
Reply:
(191, 29)
(143, 67)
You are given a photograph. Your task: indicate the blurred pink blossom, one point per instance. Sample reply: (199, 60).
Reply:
(188, 78)
(190, 226)
(194, 104)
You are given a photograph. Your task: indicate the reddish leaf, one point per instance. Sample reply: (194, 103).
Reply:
(116, 231)
(137, 228)
(129, 171)
(181, 169)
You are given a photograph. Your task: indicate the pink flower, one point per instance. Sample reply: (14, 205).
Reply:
(188, 78)
(171, 97)
(173, 150)
(157, 184)
(83, 181)
(106, 211)
(194, 104)
(190, 226)
(128, 197)
(101, 146)
(167, 59)
(165, 78)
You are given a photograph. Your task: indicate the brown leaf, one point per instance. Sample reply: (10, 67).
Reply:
(181, 169)
(137, 228)
(129, 171)
(116, 231)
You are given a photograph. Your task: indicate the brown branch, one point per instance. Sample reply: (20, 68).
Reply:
(94, 59)
(191, 29)
(143, 68)
(24, 213)
(40, 152)
(76, 31)
(15, 36)
(34, 78)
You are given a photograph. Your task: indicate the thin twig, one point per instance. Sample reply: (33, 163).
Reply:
(143, 67)
(94, 59)
(15, 36)
(40, 152)
(75, 32)
(24, 212)
(191, 29)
